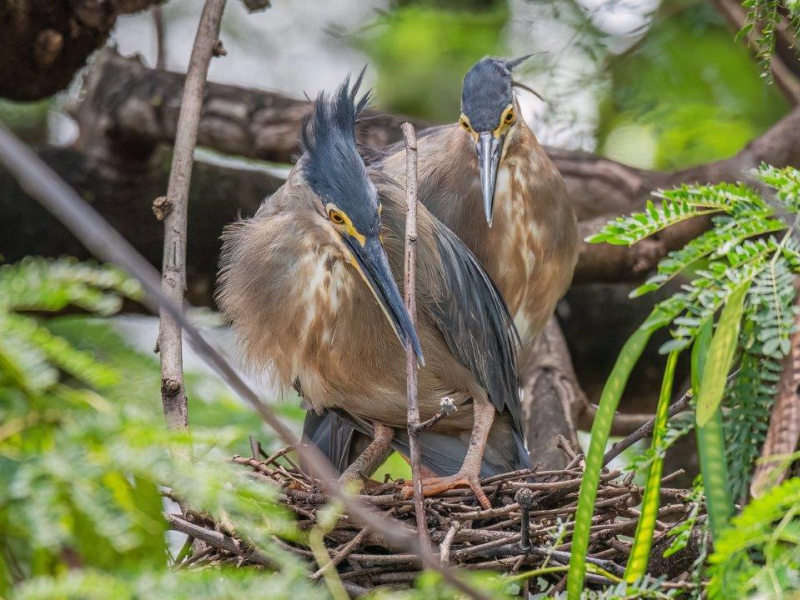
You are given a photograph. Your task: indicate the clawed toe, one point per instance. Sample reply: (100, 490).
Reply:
(436, 485)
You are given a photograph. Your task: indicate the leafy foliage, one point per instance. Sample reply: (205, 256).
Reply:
(764, 340)
(743, 267)
(84, 453)
(601, 428)
(760, 553)
(764, 20)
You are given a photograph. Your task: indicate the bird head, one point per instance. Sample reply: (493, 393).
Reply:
(333, 168)
(488, 114)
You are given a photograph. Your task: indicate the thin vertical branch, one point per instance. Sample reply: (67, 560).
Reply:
(411, 305)
(161, 42)
(173, 274)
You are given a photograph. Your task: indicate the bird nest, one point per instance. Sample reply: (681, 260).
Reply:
(528, 527)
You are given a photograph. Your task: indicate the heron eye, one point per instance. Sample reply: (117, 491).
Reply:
(463, 122)
(336, 217)
(510, 116)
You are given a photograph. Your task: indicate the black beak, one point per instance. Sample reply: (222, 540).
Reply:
(489, 149)
(374, 268)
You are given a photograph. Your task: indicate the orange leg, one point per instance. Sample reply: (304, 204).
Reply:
(469, 474)
(373, 456)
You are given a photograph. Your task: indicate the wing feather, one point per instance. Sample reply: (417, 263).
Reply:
(476, 324)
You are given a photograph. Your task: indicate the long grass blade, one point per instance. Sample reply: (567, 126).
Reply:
(601, 428)
(713, 357)
(643, 540)
(720, 356)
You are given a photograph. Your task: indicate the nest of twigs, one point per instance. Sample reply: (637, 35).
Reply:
(529, 527)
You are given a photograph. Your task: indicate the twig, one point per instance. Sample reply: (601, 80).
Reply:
(346, 551)
(447, 407)
(645, 430)
(173, 279)
(219, 540)
(525, 500)
(255, 447)
(447, 542)
(161, 42)
(411, 305)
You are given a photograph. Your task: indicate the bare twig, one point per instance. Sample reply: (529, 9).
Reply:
(173, 281)
(411, 305)
(219, 540)
(447, 407)
(645, 430)
(44, 185)
(345, 552)
(161, 42)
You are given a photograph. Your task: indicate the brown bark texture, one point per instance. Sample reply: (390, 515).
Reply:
(45, 42)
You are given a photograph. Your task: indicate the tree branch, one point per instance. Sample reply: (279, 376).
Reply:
(173, 272)
(410, 289)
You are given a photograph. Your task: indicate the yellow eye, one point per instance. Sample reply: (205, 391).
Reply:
(510, 116)
(336, 217)
(464, 123)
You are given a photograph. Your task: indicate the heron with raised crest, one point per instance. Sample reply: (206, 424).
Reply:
(310, 287)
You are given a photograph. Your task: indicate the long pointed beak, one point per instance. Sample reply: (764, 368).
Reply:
(374, 268)
(489, 149)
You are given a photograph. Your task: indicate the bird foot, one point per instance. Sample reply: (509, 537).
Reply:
(436, 485)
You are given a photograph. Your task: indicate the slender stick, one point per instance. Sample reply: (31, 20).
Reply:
(173, 273)
(161, 42)
(411, 305)
(645, 430)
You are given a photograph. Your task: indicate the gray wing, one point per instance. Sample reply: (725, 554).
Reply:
(476, 324)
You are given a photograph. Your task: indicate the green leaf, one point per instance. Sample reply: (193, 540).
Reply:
(710, 440)
(643, 540)
(720, 356)
(601, 428)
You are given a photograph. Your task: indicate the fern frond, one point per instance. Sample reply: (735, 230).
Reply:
(768, 325)
(50, 285)
(785, 182)
(728, 235)
(762, 527)
(680, 204)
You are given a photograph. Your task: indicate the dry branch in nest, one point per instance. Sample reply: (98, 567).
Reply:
(528, 527)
